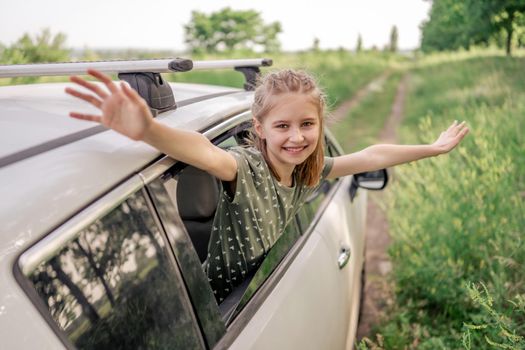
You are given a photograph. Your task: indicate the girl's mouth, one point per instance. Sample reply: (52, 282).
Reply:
(294, 149)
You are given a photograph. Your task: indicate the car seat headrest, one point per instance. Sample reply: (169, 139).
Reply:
(197, 194)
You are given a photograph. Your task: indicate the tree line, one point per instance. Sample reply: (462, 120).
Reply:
(225, 30)
(462, 24)
(452, 25)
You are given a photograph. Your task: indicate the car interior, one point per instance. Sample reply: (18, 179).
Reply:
(197, 196)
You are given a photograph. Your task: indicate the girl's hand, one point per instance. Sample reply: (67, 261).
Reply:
(451, 137)
(123, 110)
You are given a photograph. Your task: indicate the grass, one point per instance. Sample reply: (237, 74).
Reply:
(457, 221)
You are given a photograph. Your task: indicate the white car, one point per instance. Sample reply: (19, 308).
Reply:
(103, 239)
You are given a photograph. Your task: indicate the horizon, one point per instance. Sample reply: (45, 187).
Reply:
(334, 23)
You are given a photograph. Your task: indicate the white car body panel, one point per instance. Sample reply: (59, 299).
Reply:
(288, 319)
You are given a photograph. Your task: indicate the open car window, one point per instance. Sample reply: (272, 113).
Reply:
(302, 224)
(186, 199)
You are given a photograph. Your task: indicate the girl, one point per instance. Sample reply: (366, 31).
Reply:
(265, 184)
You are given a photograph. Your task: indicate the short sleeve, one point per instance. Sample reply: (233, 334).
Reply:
(249, 177)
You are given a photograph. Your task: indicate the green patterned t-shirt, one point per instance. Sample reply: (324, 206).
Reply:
(246, 226)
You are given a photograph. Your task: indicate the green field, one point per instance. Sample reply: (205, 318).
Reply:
(457, 221)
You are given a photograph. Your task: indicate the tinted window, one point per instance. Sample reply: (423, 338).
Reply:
(116, 286)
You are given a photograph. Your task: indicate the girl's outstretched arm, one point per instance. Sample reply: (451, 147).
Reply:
(383, 156)
(123, 110)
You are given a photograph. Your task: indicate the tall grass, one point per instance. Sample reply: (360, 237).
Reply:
(457, 221)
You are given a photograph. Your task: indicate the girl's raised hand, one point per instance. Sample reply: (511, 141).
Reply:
(451, 137)
(123, 110)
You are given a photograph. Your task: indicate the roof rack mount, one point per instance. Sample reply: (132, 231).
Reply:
(143, 75)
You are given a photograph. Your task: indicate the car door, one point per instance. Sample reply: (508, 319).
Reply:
(342, 226)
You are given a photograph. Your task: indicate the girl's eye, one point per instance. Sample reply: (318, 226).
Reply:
(281, 126)
(308, 123)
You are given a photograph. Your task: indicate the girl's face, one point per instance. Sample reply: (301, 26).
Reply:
(291, 130)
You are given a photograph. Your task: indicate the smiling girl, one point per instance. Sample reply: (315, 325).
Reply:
(264, 185)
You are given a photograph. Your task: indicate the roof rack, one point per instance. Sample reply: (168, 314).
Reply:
(142, 75)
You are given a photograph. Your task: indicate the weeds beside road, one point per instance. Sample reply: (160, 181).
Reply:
(457, 221)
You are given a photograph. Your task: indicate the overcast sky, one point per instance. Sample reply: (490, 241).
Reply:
(158, 24)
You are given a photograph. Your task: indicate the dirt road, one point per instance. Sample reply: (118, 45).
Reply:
(377, 292)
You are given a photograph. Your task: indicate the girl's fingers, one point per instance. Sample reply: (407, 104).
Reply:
(86, 97)
(104, 78)
(130, 93)
(460, 127)
(461, 134)
(90, 86)
(456, 127)
(89, 117)
(452, 125)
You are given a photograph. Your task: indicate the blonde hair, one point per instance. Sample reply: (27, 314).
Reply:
(283, 82)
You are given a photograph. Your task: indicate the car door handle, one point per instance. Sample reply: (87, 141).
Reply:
(344, 256)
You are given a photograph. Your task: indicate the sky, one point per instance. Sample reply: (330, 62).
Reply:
(158, 24)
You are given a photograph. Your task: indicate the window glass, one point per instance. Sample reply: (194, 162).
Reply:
(307, 213)
(189, 241)
(116, 286)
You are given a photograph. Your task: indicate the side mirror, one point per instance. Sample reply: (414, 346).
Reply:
(371, 180)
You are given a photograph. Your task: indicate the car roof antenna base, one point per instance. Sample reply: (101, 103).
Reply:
(152, 88)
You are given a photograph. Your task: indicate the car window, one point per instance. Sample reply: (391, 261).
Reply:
(115, 285)
(307, 213)
(186, 199)
(188, 227)
(288, 239)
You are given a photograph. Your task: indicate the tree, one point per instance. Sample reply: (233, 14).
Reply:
(454, 24)
(393, 39)
(359, 45)
(315, 45)
(491, 17)
(229, 29)
(44, 47)
(447, 27)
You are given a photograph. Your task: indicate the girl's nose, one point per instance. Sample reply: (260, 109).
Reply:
(296, 136)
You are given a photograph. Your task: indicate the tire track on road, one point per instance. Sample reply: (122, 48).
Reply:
(342, 111)
(377, 290)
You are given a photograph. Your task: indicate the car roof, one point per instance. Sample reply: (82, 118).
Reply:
(44, 189)
(34, 114)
